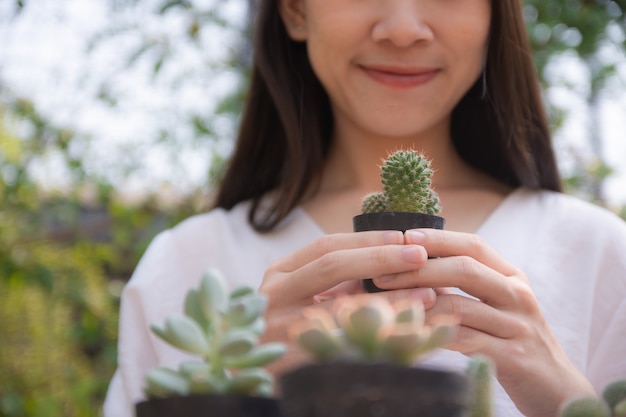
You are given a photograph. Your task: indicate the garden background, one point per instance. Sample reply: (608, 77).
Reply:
(115, 119)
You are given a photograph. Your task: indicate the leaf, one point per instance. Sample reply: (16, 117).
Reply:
(237, 342)
(161, 382)
(213, 295)
(192, 309)
(259, 356)
(243, 311)
(248, 381)
(184, 333)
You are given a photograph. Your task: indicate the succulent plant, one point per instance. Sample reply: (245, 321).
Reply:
(406, 179)
(370, 328)
(479, 372)
(223, 330)
(612, 403)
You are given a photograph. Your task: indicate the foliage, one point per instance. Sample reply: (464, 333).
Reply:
(223, 330)
(64, 256)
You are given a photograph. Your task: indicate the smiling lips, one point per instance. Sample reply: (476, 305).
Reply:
(400, 78)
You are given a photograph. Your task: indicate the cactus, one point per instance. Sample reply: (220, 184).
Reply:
(612, 403)
(370, 328)
(223, 330)
(479, 372)
(406, 180)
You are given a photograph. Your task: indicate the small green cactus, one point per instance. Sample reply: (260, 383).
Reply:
(370, 328)
(406, 180)
(612, 403)
(479, 372)
(223, 330)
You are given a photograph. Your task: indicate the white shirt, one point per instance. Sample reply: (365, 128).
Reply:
(573, 253)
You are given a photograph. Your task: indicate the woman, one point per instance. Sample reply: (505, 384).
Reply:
(338, 85)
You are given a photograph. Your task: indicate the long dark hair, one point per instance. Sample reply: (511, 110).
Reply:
(286, 125)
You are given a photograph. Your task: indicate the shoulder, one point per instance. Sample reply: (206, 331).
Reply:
(567, 211)
(223, 239)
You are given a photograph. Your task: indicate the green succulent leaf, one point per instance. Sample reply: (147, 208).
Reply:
(410, 312)
(183, 333)
(206, 386)
(241, 292)
(257, 327)
(237, 342)
(193, 310)
(362, 326)
(319, 342)
(213, 294)
(404, 347)
(440, 335)
(243, 311)
(201, 380)
(194, 369)
(162, 382)
(259, 356)
(249, 380)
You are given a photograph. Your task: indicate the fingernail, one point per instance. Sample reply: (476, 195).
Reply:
(413, 254)
(427, 295)
(392, 238)
(415, 237)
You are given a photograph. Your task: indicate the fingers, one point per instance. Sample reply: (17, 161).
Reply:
(464, 261)
(461, 272)
(349, 264)
(474, 314)
(339, 241)
(333, 259)
(439, 243)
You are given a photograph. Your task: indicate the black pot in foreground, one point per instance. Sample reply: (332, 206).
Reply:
(394, 221)
(209, 404)
(373, 390)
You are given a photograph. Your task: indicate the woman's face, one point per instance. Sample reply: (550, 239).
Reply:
(392, 67)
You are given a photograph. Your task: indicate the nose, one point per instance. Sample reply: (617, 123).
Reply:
(402, 23)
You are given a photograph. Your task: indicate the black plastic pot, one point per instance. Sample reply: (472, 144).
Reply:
(376, 390)
(209, 404)
(393, 221)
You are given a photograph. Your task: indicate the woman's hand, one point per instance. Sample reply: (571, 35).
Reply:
(330, 266)
(504, 322)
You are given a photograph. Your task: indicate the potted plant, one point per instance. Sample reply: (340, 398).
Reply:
(406, 202)
(365, 355)
(612, 403)
(227, 379)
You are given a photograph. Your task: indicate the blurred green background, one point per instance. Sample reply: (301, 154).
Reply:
(67, 249)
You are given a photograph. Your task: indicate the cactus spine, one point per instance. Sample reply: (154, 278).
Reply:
(406, 180)
(223, 330)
